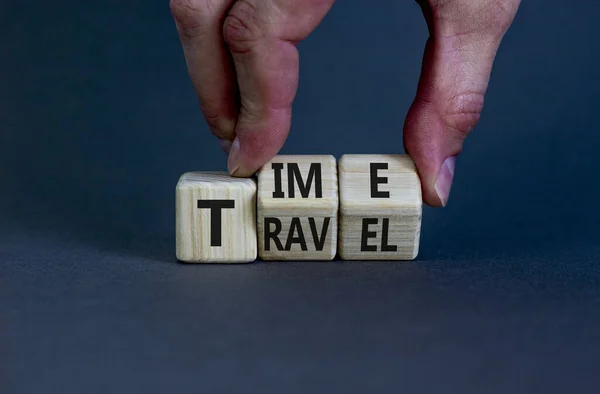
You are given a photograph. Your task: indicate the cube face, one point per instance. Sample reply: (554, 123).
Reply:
(215, 218)
(297, 208)
(380, 207)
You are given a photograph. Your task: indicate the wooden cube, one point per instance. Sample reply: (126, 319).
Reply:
(380, 207)
(297, 208)
(215, 218)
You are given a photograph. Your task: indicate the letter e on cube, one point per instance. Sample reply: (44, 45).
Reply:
(380, 207)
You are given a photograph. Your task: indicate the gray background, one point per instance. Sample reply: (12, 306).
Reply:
(98, 120)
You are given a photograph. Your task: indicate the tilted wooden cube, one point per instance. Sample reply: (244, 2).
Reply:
(380, 207)
(297, 208)
(215, 218)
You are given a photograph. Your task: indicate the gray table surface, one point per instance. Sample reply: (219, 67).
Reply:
(98, 120)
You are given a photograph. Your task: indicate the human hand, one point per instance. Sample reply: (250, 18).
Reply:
(243, 62)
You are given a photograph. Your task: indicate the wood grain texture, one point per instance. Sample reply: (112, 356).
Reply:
(380, 207)
(297, 208)
(195, 232)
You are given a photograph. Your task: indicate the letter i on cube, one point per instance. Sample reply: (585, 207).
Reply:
(297, 208)
(380, 207)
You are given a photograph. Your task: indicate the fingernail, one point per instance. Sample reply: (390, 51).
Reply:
(225, 145)
(227, 126)
(234, 153)
(444, 181)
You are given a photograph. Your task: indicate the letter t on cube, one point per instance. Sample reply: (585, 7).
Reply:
(215, 218)
(380, 207)
(297, 207)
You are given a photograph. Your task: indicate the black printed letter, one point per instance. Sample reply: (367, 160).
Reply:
(272, 234)
(384, 237)
(366, 234)
(315, 171)
(215, 217)
(375, 180)
(319, 243)
(277, 167)
(296, 226)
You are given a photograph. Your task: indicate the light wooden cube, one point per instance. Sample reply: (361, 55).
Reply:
(215, 218)
(297, 208)
(380, 207)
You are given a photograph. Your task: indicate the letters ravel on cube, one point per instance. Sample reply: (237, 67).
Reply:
(302, 207)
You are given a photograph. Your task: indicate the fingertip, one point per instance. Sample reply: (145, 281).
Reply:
(432, 197)
(436, 187)
(233, 161)
(445, 177)
(258, 140)
(225, 145)
(243, 161)
(427, 142)
(436, 181)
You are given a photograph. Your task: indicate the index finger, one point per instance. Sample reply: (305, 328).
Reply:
(199, 23)
(262, 37)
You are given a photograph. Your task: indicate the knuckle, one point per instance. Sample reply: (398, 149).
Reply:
(465, 17)
(463, 111)
(242, 27)
(220, 126)
(501, 14)
(192, 16)
(211, 118)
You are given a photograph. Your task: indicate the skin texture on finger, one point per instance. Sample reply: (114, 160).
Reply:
(457, 63)
(262, 37)
(199, 23)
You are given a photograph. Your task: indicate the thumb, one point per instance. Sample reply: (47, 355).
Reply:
(459, 54)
